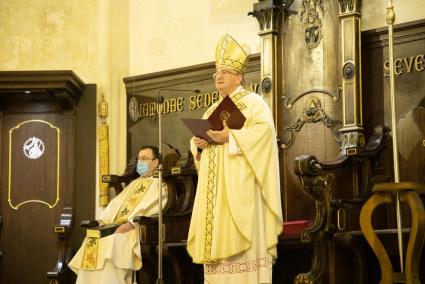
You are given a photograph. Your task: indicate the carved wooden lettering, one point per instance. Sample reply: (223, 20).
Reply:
(405, 65)
(178, 104)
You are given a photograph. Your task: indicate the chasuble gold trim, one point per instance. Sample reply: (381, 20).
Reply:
(211, 185)
(91, 248)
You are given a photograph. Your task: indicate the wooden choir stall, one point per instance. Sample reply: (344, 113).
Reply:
(328, 86)
(48, 157)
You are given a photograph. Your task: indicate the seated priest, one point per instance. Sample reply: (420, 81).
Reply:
(112, 258)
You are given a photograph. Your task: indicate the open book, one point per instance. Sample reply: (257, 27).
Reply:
(226, 110)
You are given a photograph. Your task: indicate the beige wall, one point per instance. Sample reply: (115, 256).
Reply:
(374, 12)
(106, 40)
(173, 34)
(90, 37)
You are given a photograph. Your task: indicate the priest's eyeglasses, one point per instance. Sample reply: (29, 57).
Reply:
(145, 159)
(222, 73)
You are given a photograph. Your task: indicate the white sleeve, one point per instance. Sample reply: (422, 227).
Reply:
(233, 146)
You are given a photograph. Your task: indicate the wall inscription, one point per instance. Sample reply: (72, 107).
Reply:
(139, 107)
(406, 65)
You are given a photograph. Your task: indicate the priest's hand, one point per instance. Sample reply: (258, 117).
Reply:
(200, 143)
(124, 228)
(221, 136)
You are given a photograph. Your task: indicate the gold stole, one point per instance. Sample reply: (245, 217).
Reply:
(91, 247)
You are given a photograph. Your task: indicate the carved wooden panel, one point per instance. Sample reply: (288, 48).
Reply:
(48, 158)
(311, 105)
(409, 62)
(36, 164)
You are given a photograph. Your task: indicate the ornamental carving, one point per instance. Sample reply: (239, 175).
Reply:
(313, 113)
(350, 6)
(33, 148)
(267, 13)
(348, 70)
(311, 22)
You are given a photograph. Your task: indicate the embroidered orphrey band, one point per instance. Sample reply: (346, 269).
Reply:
(210, 201)
(234, 98)
(90, 250)
(90, 254)
(239, 266)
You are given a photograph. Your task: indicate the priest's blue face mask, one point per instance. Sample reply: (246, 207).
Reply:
(142, 168)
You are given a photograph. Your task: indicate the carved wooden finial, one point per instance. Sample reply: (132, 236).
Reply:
(102, 109)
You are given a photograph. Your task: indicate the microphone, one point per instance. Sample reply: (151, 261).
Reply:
(160, 101)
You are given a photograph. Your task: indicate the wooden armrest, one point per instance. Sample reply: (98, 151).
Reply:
(347, 203)
(143, 220)
(89, 223)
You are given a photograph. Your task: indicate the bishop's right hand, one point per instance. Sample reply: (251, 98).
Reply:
(200, 143)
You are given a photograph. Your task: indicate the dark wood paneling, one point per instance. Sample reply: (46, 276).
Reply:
(30, 246)
(409, 41)
(27, 238)
(62, 86)
(145, 130)
(306, 69)
(85, 162)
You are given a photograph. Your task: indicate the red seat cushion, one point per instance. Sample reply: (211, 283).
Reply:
(295, 227)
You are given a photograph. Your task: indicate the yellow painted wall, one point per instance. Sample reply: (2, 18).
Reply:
(90, 37)
(374, 12)
(173, 34)
(106, 40)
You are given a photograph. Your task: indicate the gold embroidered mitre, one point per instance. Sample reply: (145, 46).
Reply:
(230, 55)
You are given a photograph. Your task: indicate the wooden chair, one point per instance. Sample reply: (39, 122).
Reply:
(339, 189)
(180, 176)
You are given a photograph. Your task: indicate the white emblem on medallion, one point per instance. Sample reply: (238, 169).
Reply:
(33, 148)
(133, 109)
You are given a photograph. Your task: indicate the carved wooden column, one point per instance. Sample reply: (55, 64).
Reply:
(269, 15)
(352, 136)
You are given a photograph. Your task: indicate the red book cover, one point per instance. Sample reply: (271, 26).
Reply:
(226, 110)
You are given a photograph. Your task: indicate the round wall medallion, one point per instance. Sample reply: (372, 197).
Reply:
(348, 70)
(33, 148)
(266, 85)
(133, 109)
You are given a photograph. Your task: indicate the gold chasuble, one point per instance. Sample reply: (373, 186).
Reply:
(111, 259)
(237, 214)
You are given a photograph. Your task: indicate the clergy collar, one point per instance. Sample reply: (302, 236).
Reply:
(236, 91)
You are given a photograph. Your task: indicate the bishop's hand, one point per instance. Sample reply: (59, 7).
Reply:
(221, 136)
(200, 143)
